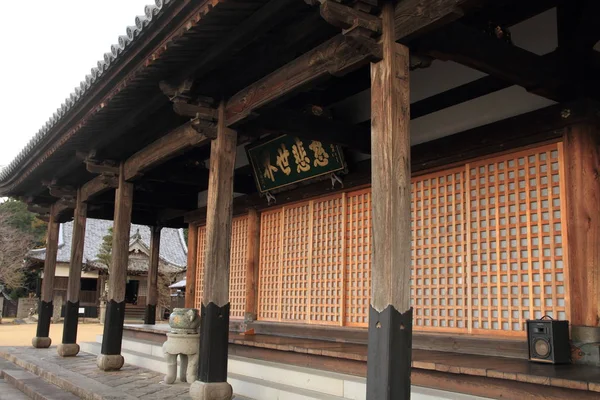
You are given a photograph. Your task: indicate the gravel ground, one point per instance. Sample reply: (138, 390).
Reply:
(21, 335)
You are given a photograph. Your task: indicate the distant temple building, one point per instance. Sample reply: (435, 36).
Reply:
(173, 256)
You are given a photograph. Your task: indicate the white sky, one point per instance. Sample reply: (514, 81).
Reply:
(48, 48)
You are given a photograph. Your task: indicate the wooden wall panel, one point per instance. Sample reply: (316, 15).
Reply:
(237, 266)
(488, 241)
(358, 258)
(269, 280)
(201, 246)
(439, 287)
(326, 262)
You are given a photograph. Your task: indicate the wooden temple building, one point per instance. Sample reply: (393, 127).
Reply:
(359, 178)
(94, 275)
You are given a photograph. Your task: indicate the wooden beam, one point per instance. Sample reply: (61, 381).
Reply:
(475, 49)
(337, 56)
(192, 267)
(97, 186)
(414, 17)
(214, 329)
(252, 265)
(152, 294)
(102, 167)
(310, 126)
(581, 186)
(69, 346)
(460, 94)
(390, 314)
(163, 149)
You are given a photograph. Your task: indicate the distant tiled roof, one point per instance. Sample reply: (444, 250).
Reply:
(152, 12)
(173, 249)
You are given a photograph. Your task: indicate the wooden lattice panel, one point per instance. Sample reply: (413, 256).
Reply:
(517, 271)
(326, 261)
(358, 258)
(438, 285)
(269, 281)
(295, 262)
(200, 265)
(238, 266)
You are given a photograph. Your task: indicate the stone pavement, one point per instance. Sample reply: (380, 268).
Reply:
(80, 376)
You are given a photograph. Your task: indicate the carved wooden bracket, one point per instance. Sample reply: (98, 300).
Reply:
(62, 191)
(111, 181)
(107, 167)
(205, 127)
(179, 93)
(360, 28)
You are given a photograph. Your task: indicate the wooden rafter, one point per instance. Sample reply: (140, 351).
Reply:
(475, 49)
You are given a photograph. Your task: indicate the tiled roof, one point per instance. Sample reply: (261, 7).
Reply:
(152, 12)
(173, 249)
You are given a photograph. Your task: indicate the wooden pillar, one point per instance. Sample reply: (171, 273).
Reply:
(253, 262)
(152, 297)
(214, 326)
(69, 346)
(110, 357)
(390, 315)
(192, 267)
(582, 191)
(45, 307)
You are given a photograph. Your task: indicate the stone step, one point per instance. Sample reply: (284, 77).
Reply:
(31, 386)
(9, 392)
(268, 390)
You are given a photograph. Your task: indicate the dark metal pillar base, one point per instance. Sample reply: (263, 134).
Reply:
(389, 354)
(70, 323)
(113, 328)
(150, 316)
(214, 342)
(45, 310)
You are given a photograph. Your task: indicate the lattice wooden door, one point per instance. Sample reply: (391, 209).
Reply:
(237, 267)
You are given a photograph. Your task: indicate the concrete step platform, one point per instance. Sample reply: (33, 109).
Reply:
(19, 384)
(9, 392)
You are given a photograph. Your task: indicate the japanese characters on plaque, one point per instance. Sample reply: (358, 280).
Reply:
(285, 160)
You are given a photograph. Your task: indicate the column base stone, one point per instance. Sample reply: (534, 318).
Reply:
(67, 349)
(211, 391)
(41, 342)
(112, 362)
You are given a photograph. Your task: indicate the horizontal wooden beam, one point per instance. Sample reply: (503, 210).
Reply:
(172, 144)
(310, 126)
(337, 56)
(460, 94)
(414, 17)
(98, 185)
(473, 48)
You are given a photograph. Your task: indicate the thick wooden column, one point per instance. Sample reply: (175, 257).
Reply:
(214, 326)
(252, 266)
(390, 315)
(192, 267)
(110, 357)
(45, 307)
(69, 346)
(582, 191)
(152, 297)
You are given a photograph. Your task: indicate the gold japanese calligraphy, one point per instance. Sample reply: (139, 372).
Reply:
(321, 156)
(302, 160)
(282, 160)
(269, 169)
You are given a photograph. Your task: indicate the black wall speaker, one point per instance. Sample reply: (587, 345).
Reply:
(549, 341)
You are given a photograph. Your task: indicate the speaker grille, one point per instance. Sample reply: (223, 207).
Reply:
(541, 348)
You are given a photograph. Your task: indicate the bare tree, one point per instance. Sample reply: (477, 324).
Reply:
(14, 245)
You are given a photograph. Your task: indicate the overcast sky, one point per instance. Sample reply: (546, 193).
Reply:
(48, 48)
